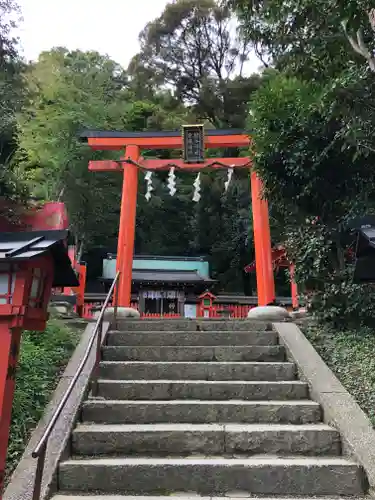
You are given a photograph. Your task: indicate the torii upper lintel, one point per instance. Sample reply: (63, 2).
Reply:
(102, 139)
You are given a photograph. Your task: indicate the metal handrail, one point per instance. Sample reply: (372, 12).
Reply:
(41, 448)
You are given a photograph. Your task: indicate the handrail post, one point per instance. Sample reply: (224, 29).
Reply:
(116, 302)
(95, 383)
(39, 472)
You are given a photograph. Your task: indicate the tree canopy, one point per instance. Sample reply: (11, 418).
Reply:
(310, 113)
(312, 121)
(11, 91)
(72, 90)
(194, 49)
(312, 38)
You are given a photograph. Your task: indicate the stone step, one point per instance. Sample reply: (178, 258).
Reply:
(195, 370)
(194, 353)
(213, 439)
(207, 325)
(201, 389)
(213, 476)
(187, 411)
(211, 338)
(232, 495)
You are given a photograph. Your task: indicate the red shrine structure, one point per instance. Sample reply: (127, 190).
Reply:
(33, 259)
(193, 141)
(280, 260)
(48, 216)
(40, 217)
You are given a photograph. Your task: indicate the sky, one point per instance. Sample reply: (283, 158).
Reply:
(108, 26)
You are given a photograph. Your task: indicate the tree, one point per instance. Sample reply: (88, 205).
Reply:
(10, 81)
(73, 90)
(192, 49)
(193, 52)
(223, 228)
(312, 38)
(69, 91)
(317, 177)
(11, 91)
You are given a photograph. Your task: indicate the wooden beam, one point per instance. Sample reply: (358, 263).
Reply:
(167, 142)
(214, 163)
(104, 166)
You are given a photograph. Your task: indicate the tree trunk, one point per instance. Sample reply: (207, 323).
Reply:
(81, 246)
(358, 44)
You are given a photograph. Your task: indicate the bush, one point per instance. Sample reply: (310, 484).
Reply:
(351, 356)
(325, 268)
(43, 357)
(318, 174)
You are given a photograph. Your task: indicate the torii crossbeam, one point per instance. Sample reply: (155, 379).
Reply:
(132, 143)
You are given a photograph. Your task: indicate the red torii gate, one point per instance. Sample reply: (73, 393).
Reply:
(133, 143)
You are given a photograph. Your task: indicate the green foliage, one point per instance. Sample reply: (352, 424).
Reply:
(193, 48)
(10, 67)
(351, 356)
(69, 91)
(43, 357)
(312, 121)
(303, 154)
(316, 39)
(222, 227)
(355, 98)
(11, 92)
(317, 176)
(217, 227)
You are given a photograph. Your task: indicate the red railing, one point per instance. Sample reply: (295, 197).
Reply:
(236, 311)
(216, 311)
(155, 315)
(89, 308)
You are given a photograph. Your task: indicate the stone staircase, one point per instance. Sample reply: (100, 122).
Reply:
(209, 408)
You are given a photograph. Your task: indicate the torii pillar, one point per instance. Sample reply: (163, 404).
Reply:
(262, 242)
(126, 236)
(133, 143)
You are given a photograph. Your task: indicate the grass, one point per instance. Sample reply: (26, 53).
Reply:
(43, 357)
(351, 356)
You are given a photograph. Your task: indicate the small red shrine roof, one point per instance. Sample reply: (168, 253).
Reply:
(279, 259)
(25, 246)
(208, 295)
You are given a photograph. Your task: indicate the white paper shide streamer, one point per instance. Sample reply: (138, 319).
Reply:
(172, 181)
(229, 179)
(197, 190)
(148, 179)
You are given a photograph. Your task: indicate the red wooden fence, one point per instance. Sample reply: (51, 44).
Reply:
(236, 311)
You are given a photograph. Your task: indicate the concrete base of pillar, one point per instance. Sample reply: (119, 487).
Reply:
(269, 313)
(122, 312)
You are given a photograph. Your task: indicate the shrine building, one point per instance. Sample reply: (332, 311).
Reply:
(164, 285)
